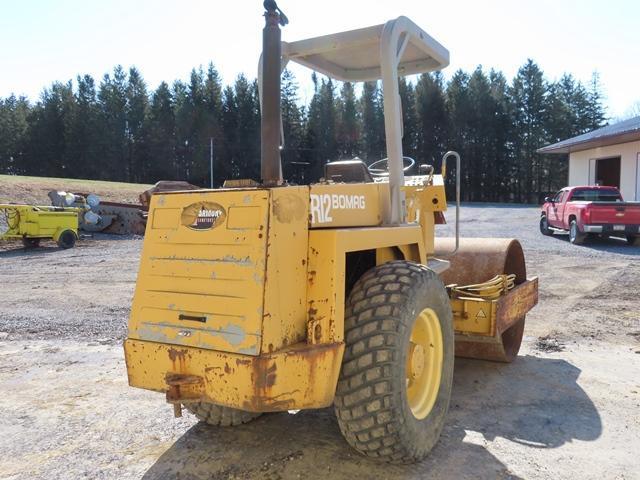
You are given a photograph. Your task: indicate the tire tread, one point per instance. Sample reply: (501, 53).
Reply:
(367, 407)
(220, 416)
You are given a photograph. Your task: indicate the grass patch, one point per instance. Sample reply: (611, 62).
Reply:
(33, 190)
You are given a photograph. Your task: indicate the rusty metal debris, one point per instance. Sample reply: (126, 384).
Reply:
(107, 217)
(164, 186)
(120, 218)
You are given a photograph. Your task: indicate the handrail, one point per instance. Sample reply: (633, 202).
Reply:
(452, 153)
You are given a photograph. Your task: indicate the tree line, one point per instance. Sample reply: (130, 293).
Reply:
(120, 130)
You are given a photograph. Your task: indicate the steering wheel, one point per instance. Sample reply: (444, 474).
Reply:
(377, 170)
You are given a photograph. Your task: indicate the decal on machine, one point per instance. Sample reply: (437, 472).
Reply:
(323, 205)
(202, 215)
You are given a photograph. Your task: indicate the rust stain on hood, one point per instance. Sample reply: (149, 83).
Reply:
(288, 208)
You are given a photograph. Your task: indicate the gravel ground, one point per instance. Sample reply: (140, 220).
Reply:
(568, 407)
(83, 293)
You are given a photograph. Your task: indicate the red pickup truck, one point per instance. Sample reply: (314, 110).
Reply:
(593, 210)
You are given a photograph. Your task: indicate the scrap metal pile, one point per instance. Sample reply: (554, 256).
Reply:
(113, 217)
(98, 216)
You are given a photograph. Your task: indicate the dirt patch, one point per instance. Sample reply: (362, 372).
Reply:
(549, 343)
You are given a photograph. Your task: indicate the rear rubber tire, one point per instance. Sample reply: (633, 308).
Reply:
(575, 235)
(220, 416)
(67, 239)
(633, 240)
(372, 396)
(544, 226)
(30, 242)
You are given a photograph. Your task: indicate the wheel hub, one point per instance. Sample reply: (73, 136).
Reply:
(417, 360)
(425, 357)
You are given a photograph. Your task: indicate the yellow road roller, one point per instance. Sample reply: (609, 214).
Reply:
(263, 296)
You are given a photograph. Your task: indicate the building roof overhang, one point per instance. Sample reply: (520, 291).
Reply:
(622, 132)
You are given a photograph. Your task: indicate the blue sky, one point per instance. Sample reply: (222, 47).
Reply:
(42, 41)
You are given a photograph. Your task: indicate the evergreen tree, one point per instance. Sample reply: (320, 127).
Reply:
(247, 128)
(292, 129)
(230, 167)
(410, 131)
(321, 128)
(570, 112)
(112, 103)
(184, 129)
(577, 100)
(529, 94)
(47, 134)
(83, 131)
(328, 120)
(500, 152)
(479, 162)
(561, 120)
(459, 107)
(123, 132)
(160, 136)
(136, 111)
(373, 135)
(212, 129)
(312, 133)
(348, 141)
(194, 129)
(595, 109)
(14, 112)
(432, 119)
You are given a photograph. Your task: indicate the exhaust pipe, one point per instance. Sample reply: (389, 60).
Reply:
(270, 166)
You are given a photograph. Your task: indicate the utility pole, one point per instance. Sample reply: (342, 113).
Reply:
(211, 159)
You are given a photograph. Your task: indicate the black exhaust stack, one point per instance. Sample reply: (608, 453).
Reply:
(270, 166)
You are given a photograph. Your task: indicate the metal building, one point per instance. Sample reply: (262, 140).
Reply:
(607, 156)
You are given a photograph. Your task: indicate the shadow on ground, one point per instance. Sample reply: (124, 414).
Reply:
(603, 244)
(14, 248)
(18, 250)
(534, 402)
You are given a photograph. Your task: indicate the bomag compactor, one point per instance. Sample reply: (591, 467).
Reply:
(268, 297)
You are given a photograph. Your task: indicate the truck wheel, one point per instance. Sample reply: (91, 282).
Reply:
(67, 239)
(575, 235)
(395, 382)
(30, 242)
(220, 416)
(544, 226)
(633, 240)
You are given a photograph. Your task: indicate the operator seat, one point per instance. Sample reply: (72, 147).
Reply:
(348, 171)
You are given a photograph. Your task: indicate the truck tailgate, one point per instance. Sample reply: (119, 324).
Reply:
(623, 213)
